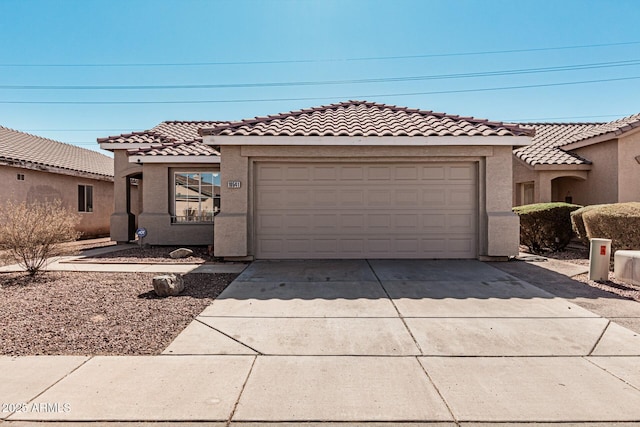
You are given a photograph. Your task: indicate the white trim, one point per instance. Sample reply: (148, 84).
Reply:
(366, 140)
(124, 145)
(174, 159)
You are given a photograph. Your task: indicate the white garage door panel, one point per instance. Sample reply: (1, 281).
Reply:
(366, 210)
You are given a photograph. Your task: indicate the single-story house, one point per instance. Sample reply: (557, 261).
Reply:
(36, 169)
(350, 180)
(582, 163)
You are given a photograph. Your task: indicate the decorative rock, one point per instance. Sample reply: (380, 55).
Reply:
(181, 253)
(168, 285)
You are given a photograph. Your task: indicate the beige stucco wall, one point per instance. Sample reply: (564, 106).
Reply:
(41, 186)
(522, 174)
(123, 220)
(498, 226)
(629, 168)
(601, 185)
(158, 207)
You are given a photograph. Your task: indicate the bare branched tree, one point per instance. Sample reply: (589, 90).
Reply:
(31, 233)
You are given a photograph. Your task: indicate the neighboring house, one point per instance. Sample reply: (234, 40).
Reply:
(349, 180)
(33, 168)
(583, 163)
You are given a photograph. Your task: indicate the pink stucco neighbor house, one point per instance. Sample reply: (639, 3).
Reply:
(33, 168)
(583, 163)
(354, 179)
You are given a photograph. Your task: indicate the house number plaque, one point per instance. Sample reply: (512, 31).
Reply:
(233, 184)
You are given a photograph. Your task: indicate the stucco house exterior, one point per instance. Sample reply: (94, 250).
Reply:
(33, 168)
(583, 163)
(350, 180)
(166, 181)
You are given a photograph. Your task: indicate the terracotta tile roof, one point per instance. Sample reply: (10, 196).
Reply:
(181, 148)
(615, 128)
(361, 118)
(171, 138)
(165, 132)
(20, 147)
(544, 148)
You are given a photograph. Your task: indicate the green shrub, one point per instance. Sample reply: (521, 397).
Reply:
(619, 222)
(577, 222)
(545, 226)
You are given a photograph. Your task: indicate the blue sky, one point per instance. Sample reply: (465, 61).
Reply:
(63, 63)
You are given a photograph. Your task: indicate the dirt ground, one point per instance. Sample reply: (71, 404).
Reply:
(97, 313)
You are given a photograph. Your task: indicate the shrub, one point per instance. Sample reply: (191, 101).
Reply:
(619, 222)
(31, 233)
(577, 222)
(545, 226)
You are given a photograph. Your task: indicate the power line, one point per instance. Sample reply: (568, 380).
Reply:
(597, 65)
(299, 61)
(529, 119)
(74, 130)
(535, 119)
(228, 101)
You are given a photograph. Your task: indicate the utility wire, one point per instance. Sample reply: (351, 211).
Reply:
(503, 120)
(228, 101)
(299, 61)
(74, 130)
(597, 65)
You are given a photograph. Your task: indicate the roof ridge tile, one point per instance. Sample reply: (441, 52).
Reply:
(355, 112)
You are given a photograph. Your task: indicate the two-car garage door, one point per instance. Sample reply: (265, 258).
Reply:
(366, 210)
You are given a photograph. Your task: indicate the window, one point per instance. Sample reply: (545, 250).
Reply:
(525, 194)
(196, 196)
(20, 177)
(85, 198)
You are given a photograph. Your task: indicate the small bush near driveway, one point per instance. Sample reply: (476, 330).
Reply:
(545, 226)
(32, 232)
(97, 313)
(619, 222)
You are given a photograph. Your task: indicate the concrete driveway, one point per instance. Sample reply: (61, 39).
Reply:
(441, 343)
(394, 308)
(358, 340)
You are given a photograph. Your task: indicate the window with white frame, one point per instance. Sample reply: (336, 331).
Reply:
(196, 196)
(85, 198)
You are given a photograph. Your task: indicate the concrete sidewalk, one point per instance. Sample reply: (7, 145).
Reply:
(76, 263)
(359, 342)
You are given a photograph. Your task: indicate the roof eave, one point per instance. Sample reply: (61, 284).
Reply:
(555, 167)
(110, 146)
(40, 167)
(174, 159)
(609, 136)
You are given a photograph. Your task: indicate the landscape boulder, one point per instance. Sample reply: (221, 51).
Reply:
(168, 285)
(181, 253)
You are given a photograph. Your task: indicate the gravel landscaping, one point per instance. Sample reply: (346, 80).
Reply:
(97, 313)
(580, 256)
(152, 255)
